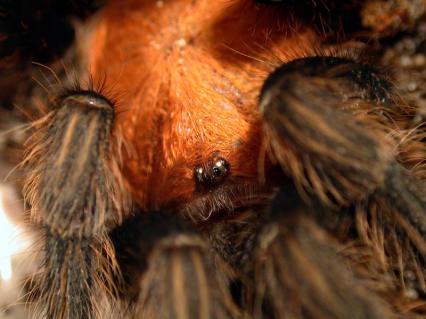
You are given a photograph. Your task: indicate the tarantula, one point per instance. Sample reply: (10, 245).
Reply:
(222, 159)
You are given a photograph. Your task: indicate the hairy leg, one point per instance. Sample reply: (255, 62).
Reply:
(299, 271)
(171, 270)
(76, 193)
(327, 124)
(325, 148)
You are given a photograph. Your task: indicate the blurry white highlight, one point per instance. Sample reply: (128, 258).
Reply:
(11, 240)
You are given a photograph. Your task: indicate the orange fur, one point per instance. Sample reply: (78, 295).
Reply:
(188, 74)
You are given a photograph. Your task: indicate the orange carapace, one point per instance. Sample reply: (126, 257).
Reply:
(185, 76)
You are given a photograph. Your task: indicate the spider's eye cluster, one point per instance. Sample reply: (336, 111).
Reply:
(211, 173)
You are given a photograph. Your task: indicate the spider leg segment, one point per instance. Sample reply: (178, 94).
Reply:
(325, 148)
(76, 193)
(181, 278)
(299, 271)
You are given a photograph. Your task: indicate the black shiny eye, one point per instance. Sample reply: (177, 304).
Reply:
(212, 172)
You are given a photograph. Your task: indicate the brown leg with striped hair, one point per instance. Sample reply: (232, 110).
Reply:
(76, 193)
(179, 276)
(326, 124)
(300, 273)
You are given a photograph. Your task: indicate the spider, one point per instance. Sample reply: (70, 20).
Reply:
(224, 159)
